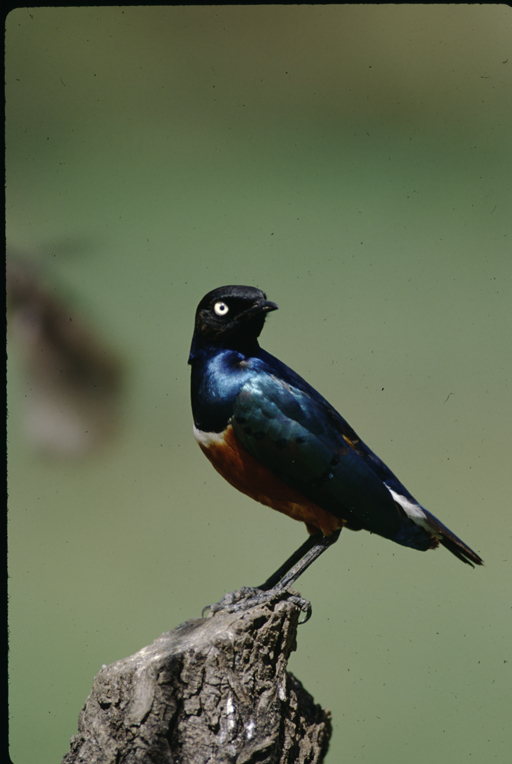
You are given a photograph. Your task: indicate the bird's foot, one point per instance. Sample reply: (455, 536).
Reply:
(248, 597)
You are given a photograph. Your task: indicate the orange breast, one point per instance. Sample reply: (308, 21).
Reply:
(249, 476)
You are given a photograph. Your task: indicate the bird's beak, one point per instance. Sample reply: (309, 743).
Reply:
(265, 306)
(258, 308)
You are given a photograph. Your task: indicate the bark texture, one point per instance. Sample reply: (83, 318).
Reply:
(212, 690)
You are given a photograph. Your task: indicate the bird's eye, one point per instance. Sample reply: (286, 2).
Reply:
(220, 308)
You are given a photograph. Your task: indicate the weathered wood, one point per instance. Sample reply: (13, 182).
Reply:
(212, 690)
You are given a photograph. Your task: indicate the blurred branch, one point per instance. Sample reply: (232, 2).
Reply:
(73, 378)
(211, 690)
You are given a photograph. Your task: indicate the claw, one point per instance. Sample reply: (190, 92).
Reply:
(249, 597)
(304, 605)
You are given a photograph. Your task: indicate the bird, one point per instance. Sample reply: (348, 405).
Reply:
(272, 436)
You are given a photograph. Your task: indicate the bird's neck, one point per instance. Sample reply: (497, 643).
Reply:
(217, 378)
(202, 350)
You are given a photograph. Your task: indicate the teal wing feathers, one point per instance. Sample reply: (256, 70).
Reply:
(309, 446)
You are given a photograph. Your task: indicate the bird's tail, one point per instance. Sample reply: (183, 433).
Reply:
(421, 530)
(440, 534)
(452, 542)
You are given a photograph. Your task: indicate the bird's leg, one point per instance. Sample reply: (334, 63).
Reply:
(275, 586)
(290, 572)
(276, 577)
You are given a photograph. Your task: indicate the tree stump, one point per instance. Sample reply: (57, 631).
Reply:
(211, 690)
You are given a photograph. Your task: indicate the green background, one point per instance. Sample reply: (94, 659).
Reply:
(355, 163)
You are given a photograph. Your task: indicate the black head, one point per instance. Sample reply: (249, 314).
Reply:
(232, 316)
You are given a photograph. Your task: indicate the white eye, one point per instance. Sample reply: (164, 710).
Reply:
(221, 308)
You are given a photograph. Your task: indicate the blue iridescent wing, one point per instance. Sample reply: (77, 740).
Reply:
(311, 448)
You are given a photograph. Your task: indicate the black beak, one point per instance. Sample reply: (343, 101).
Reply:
(266, 306)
